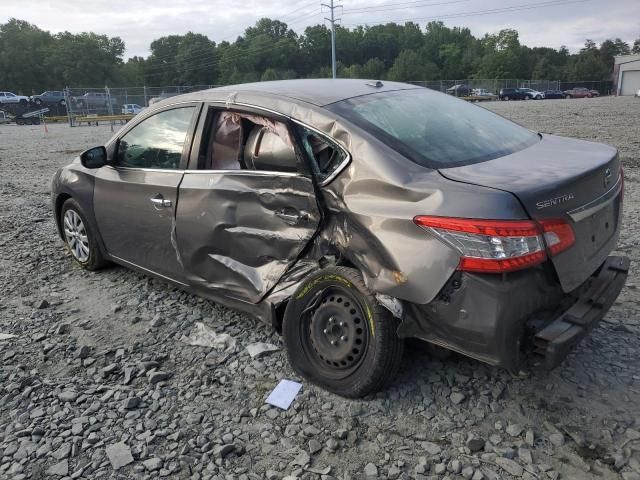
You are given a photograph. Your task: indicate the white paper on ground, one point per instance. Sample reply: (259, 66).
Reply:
(282, 396)
(6, 336)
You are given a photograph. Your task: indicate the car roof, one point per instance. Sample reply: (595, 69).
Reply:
(319, 92)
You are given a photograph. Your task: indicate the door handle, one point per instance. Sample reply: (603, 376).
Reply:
(160, 202)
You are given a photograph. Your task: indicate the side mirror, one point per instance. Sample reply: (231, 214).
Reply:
(95, 157)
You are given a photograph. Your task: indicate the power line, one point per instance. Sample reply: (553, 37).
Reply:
(515, 8)
(398, 6)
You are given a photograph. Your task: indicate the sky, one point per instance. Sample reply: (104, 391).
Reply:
(550, 23)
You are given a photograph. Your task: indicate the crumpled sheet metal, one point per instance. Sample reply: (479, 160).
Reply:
(234, 241)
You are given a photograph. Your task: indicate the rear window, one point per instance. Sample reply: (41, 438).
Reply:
(434, 129)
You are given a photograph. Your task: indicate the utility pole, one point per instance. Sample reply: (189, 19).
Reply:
(332, 8)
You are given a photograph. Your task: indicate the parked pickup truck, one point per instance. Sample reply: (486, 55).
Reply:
(94, 100)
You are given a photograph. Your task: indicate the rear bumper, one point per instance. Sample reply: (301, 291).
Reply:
(552, 344)
(504, 319)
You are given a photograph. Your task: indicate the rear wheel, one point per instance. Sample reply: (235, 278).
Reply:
(37, 101)
(79, 237)
(506, 97)
(20, 121)
(338, 336)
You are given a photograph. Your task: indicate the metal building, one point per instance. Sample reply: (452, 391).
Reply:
(626, 74)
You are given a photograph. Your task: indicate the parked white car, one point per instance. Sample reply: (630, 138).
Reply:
(131, 109)
(482, 92)
(8, 97)
(531, 93)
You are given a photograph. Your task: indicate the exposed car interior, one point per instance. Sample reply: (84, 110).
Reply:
(246, 142)
(239, 141)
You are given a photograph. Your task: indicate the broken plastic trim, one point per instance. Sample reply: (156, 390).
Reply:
(392, 304)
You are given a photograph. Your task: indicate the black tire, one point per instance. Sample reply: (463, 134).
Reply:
(37, 101)
(20, 121)
(95, 259)
(28, 121)
(334, 305)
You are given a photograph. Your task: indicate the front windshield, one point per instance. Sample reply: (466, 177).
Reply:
(433, 129)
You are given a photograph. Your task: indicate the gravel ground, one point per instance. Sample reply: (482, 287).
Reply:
(98, 382)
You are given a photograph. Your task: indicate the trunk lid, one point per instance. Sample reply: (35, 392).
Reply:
(565, 178)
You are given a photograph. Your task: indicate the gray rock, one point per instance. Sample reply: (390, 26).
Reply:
(457, 398)
(557, 439)
(260, 349)
(131, 403)
(152, 464)
(440, 468)
(63, 452)
(314, 446)
(158, 376)
(529, 437)
(83, 352)
(68, 396)
(60, 469)
(63, 329)
(301, 459)
(431, 448)
(43, 304)
(510, 466)
(514, 429)
(119, 455)
(370, 470)
(477, 475)
(222, 451)
(467, 472)
(476, 444)
(524, 455)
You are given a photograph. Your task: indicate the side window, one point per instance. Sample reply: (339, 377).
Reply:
(156, 142)
(243, 141)
(327, 157)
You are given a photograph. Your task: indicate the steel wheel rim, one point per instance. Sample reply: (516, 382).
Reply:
(335, 333)
(76, 236)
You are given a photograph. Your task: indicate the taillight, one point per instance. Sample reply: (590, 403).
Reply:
(558, 235)
(497, 246)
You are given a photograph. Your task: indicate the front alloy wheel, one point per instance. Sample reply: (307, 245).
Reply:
(338, 336)
(78, 236)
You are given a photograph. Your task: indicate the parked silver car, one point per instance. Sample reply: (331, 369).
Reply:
(351, 215)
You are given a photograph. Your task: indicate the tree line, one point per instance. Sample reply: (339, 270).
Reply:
(33, 60)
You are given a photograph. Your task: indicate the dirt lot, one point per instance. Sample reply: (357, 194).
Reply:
(85, 370)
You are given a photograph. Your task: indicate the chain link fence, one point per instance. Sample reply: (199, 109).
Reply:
(84, 105)
(495, 85)
(87, 104)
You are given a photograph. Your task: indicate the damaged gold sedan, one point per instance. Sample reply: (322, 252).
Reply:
(350, 215)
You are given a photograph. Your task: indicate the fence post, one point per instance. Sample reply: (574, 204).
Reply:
(146, 104)
(109, 105)
(67, 99)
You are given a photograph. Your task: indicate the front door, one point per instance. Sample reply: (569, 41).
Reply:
(135, 197)
(248, 210)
